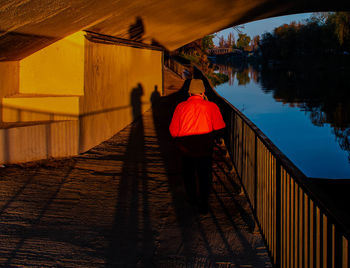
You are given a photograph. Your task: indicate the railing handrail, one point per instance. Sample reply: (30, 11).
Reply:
(298, 227)
(175, 66)
(287, 164)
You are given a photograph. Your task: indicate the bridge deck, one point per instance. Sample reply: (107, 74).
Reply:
(121, 204)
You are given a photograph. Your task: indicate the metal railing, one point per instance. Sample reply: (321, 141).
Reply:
(178, 68)
(299, 230)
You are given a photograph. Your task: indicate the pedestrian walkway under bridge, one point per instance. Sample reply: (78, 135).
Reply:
(122, 204)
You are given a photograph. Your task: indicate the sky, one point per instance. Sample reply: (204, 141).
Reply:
(261, 26)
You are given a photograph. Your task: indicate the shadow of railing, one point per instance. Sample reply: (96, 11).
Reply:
(44, 124)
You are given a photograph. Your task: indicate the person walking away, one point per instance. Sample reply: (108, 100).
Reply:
(195, 124)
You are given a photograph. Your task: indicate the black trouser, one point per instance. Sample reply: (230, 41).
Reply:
(197, 170)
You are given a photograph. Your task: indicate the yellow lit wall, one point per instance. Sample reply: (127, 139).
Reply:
(115, 84)
(114, 78)
(57, 69)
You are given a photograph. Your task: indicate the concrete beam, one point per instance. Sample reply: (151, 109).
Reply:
(28, 26)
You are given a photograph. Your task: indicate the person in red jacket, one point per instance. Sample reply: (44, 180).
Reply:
(195, 124)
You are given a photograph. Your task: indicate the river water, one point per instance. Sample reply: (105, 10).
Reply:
(306, 114)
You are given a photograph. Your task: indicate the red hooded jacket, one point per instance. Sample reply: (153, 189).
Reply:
(193, 122)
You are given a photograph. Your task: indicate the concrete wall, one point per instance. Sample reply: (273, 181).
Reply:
(39, 141)
(115, 84)
(119, 82)
(55, 70)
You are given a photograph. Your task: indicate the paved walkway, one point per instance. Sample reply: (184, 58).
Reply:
(121, 204)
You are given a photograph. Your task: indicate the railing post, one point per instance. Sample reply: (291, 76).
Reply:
(255, 173)
(338, 249)
(242, 133)
(231, 134)
(278, 214)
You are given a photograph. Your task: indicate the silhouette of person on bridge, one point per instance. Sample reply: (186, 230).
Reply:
(195, 124)
(137, 30)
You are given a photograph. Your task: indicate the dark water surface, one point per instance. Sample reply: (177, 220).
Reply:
(306, 113)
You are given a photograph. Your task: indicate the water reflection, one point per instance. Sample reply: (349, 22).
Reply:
(244, 73)
(322, 93)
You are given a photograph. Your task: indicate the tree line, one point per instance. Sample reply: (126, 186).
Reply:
(244, 42)
(324, 34)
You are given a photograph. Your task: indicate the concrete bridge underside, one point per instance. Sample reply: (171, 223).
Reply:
(27, 26)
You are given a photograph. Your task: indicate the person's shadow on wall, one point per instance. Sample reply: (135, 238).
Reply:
(132, 235)
(136, 102)
(155, 96)
(137, 30)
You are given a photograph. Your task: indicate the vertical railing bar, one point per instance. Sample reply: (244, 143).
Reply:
(306, 229)
(329, 244)
(312, 251)
(325, 241)
(289, 213)
(264, 187)
(236, 144)
(273, 196)
(332, 246)
(251, 164)
(265, 192)
(292, 247)
(267, 189)
(257, 163)
(338, 249)
(318, 237)
(312, 234)
(282, 241)
(296, 224)
(233, 131)
(285, 224)
(278, 223)
(270, 209)
(263, 182)
(273, 214)
(345, 257)
(242, 153)
(301, 226)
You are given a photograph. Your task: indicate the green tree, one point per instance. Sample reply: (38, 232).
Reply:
(243, 41)
(255, 42)
(221, 41)
(207, 42)
(230, 43)
(341, 21)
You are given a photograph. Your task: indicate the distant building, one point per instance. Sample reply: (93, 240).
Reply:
(223, 50)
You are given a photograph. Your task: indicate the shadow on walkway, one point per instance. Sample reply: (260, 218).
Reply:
(204, 240)
(131, 239)
(121, 204)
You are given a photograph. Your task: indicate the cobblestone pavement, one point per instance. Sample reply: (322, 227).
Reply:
(121, 204)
